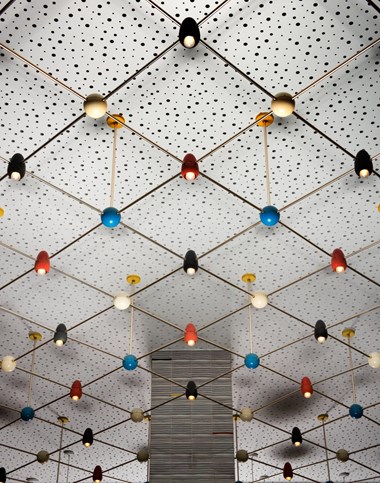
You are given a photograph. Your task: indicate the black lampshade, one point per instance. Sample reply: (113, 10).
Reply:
(191, 391)
(16, 167)
(3, 475)
(189, 34)
(363, 164)
(296, 437)
(60, 336)
(88, 437)
(190, 264)
(320, 331)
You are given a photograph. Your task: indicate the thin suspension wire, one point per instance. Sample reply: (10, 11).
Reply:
(327, 456)
(59, 453)
(68, 467)
(31, 373)
(250, 318)
(237, 447)
(352, 371)
(131, 324)
(112, 197)
(149, 445)
(266, 164)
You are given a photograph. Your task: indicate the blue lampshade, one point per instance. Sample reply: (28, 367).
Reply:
(356, 411)
(130, 362)
(27, 413)
(110, 217)
(269, 215)
(252, 361)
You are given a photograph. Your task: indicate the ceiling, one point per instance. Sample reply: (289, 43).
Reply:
(202, 101)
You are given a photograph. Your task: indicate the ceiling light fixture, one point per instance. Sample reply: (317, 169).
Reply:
(62, 420)
(283, 104)
(190, 168)
(43, 456)
(251, 360)
(95, 106)
(373, 360)
(76, 391)
(246, 414)
(27, 413)
(190, 263)
(323, 418)
(191, 391)
(269, 215)
(16, 168)
(142, 455)
(320, 331)
(130, 361)
(190, 336)
(363, 164)
(296, 437)
(355, 411)
(97, 475)
(242, 455)
(121, 301)
(88, 438)
(259, 300)
(338, 261)
(60, 336)
(342, 455)
(137, 415)
(8, 364)
(42, 263)
(288, 471)
(3, 475)
(189, 34)
(306, 387)
(111, 216)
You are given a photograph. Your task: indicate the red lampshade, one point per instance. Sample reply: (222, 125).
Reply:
(76, 391)
(306, 387)
(97, 475)
(338, 262)
(190, 169)
(191, 336)
(288, 471)
(42, 264)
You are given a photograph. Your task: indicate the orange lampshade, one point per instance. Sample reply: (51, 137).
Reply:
(191, 336)
(338, 261)
(306, 387)
(42, 263)
(76, 391)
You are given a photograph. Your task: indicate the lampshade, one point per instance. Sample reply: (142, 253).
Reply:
(191, 391)
(363, 164)
(283, 105)
(3, 475)
(259, 300)
(27, 413)
(130, 362)
(142, 455)
(190, 168)
(16, 167)
(97, 475)
(8, 364)
(121, 301)
(288, 471)
(296, 437)
(306, 387)
(246, 415)
(191, 336)
(76, 391)
(242, 455)
(42, 263)
(190, 263)
(252, 361)
(137, 415)
(338, 261)
(373, 360)
(60, 336)
(356, 411)
(342, 455)
(320, 331)
(269, 215)
(88, 437)
(94, 106)
(110, 217)
(43, 457)
(189, 34)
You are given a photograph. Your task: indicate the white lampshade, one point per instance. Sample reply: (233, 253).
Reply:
(246, 415)
(8, 364)
(374, 360)
(283, 104)
(94, 106)
(121, 301)
(259, 300)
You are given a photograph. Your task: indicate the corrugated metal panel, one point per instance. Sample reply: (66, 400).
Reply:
(184, 445)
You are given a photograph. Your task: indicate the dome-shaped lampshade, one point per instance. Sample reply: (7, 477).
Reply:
(306, 387)
(97, 475)
(189, 34)
(296, 437)
(43, 456)
(283, 105)
(27, 413)
(76, 391)
(338, 261)
(191, 391)
(363, 164)
(356, 411)
(242, 455)
(191, 336)
(252, 361)
(110, 217)
(42, 263)
(94, 106)
(259, 300)
(320, 331)
(8, 364)
(3, 475)
(60, 336)
(88, 438)
(190, 263)
(16, 167)
(288, 471)
(373, 360)
(342, 455)
(269, 215)
(137, 415)
(142, 455)
(130, 362)
(121, 301)
(246, 415)
(190, 168)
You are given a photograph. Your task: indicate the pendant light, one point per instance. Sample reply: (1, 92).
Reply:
(320, 331)
(27, 413)
(60, 336)
(97, 475)
(8, 364)
(246, 415)
(69, 453)
(62, 420)
(190, 263)
(16, 167)
(283, 104)
(190, 168)
(130, 361)
(355, 411)
(296, 437)
(121, 301)
(323, 418)
(373, 360)
(306, 387)
(3, 475)
(342, 455)
(251, 360)
(88, 438)
(191, 391)
(288, 471)
(269, 215)
(42, 263)
(95, 106)
(191, 336)
(189, 34)
(137, 415)
(43, 457)
(259, 300)
(363, 164)
(111, 216)
(76, 391)
(338, 261)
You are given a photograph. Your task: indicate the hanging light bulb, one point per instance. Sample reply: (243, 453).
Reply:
(242, 455)
(97, 475)
(137, 415)
(373, 360)
(189, 34)
(121, 301)
(88, 438)
(191, 391)
(190, 168)
(306, 387)
(76, 391)
(320, 331)
(283, 105)
(288, 471)
(356, 411)
(269, 215)
(42, 263)
(246, 415)
(142, 455)
(190, 264)
(43, 457)
(110, 217)
(3, 475)
(296, 437)
(363, 164)
(60, 336)
(338, 261)
(16, 167)
(94, 106)
(191, 336)
(252, 361)
(27, 413)
(8, 364)
(259, 300)
(342, 455)
(130, 362)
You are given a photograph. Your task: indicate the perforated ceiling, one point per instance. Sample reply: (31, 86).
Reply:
(202, 101)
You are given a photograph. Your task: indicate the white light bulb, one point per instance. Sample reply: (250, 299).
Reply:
(374, 360)
(307, 395)
(16, 176)
(121, 301)
(190, 271)
(189, 41)
(59, 343)
(41, 271)
(191, 342)
(364, 173)
(321, 339)
(259, 300)
(339, 269)
(8, 364)
(94, 106)
(190, 176)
